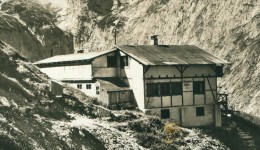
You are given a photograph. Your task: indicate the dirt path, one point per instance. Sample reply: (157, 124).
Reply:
(239, 134)
(249, 133)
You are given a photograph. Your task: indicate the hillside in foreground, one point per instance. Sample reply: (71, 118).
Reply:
(28, 112)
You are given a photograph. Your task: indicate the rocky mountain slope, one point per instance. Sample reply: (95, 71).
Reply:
(30, 28)
(28, 112)
(229, 29)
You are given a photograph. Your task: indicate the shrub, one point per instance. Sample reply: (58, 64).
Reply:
(128, 116)
(147, 140)
(163, 146)
(151, 125)
(172, 130)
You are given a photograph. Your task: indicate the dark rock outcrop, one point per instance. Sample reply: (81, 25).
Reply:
(30, 28)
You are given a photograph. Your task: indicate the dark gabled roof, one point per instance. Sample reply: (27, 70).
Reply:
(170, 55)
(73, 57)
(112, 84)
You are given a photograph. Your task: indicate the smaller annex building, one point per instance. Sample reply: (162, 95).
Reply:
(94, 73)
(177, 82)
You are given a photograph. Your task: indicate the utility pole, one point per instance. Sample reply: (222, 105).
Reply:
(115, 34)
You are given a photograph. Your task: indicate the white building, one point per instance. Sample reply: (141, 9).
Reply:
(176, 82)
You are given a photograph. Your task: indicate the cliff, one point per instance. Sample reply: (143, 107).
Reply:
(30, 28)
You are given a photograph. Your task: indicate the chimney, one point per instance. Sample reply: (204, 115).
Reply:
(154, 40)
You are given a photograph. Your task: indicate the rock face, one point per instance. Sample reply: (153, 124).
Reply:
(29, 27)
(229, 29)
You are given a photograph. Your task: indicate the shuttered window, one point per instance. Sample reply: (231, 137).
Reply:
(97, 90)
(79, 86)
(88, 86)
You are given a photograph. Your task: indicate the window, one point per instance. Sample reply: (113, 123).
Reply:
(88, 86)
(165, 113)
(124, 61)
(165, 89)
(79, 86)
(198, 87)
(111, 61)
(97, 90)
(176, 88)
(152, 89)
(200, 111)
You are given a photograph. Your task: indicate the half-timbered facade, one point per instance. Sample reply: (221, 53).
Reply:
(177, 82)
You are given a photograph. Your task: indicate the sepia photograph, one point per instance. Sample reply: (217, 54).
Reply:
(129, 75)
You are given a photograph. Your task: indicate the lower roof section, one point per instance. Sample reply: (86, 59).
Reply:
(113, 84)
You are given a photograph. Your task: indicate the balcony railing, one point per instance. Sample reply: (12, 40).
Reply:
(222, 98)
(223, 102)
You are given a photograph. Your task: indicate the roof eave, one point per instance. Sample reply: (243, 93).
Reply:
(90, 59)
(221, 62)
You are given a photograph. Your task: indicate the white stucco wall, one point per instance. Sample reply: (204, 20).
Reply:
(186, 115)
(189, 117)
(175, 113)
(90, 92)
(134, 77)
(162, 71)
(77, 72)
